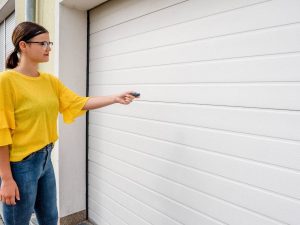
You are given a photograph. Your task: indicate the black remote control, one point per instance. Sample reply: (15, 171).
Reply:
(135, 94)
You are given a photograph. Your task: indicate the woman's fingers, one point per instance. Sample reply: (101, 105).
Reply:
(17, 194)
(11, 200)
(126, 98)
(129, 98)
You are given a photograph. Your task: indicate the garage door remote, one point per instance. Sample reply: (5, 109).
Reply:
(135, 94)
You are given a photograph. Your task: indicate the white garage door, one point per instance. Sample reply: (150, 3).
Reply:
(6, 45)
(215, 138)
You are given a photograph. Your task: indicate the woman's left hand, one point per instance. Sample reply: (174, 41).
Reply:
(125, 98)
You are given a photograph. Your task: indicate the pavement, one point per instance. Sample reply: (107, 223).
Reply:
(34, 221)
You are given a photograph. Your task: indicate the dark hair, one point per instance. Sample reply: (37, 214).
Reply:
(22, 32)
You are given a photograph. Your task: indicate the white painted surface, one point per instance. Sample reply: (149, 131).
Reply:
(81, 5)
(215, 137)
(70, 66)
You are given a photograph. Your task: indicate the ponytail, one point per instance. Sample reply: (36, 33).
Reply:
(12, 60)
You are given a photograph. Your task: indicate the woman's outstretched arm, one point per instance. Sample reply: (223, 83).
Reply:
(101, 101)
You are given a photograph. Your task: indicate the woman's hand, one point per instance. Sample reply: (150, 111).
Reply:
(125, 98)
(9, 191)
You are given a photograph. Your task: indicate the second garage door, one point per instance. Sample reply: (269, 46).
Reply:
(6, 45)
(214, 138)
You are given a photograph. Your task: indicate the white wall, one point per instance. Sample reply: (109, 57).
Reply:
(70, 66)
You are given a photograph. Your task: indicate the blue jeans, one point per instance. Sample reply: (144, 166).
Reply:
(36, 182)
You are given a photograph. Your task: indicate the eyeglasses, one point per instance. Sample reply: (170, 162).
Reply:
(44, 44)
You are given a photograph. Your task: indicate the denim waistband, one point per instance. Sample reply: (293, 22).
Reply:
(47, 148)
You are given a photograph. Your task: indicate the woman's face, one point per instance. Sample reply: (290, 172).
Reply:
(37, 49)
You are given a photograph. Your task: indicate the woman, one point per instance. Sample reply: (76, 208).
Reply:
(29, 104)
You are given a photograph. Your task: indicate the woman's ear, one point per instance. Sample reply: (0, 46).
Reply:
(22, 45)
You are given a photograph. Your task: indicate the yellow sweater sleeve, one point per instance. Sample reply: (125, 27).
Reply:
(7, 119)
(70, 104)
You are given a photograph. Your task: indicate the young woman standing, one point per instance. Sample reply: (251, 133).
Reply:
(29, 104)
